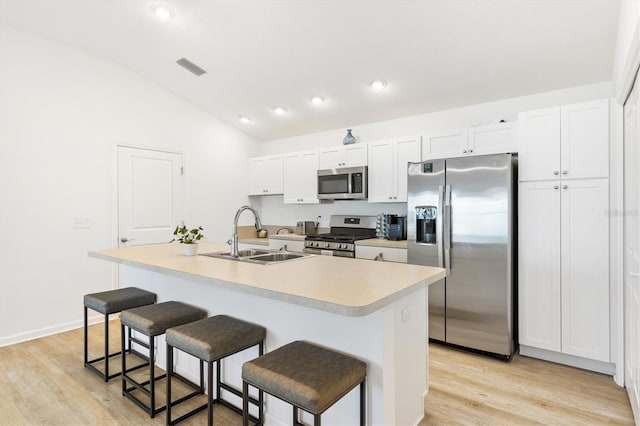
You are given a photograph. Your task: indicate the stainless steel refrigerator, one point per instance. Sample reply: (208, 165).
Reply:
(462, 217)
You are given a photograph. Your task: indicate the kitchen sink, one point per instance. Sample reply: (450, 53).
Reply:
(279, 257)
(263, 257)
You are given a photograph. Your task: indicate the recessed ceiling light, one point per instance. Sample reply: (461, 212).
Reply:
(244, 119)
(163, 12)
(378, 84)
(280, 110)
(317, 100)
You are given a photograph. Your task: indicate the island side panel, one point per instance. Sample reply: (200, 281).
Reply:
(406, 359)
(394, 346)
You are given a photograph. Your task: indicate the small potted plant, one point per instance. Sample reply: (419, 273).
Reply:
(188, 237)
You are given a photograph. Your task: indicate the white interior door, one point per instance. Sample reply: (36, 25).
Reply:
(631, 223)
(149, 195)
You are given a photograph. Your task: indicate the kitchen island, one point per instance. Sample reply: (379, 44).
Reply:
(375, 311)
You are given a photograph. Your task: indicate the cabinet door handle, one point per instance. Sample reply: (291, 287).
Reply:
(555, 187)
(464, 151)
(555, 172)
(564, 187)
(470, 151)
(565, 172)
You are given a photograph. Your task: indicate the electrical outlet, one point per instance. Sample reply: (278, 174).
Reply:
(406, 314)
(81, 222)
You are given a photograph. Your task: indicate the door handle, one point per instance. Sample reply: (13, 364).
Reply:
(447, 229)
(126, 240)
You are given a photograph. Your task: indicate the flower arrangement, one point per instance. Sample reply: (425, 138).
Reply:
(185, 235)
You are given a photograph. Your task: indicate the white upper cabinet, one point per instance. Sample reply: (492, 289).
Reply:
(480, 140)
(568, 142)
(388, 168)
(353, 155)
(448, 144)
(265, 175)
(493, 139)
(301, 177)
(584, 148)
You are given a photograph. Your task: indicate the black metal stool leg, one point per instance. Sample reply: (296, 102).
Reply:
(210, 395)
(124, 358)
(106, 347)
(169, 374)
(316, 420)
(245, 403)
(363, 391)
(86, 338)
(152, 371)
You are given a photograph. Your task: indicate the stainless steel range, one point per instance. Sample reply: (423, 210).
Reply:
(344, 232)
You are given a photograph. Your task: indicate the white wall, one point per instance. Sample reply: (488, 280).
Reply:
(274, 212)
(627, 27)
(61, 114)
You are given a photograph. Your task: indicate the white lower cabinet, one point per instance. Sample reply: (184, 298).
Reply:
(564, 267)
(288, 245)
(386, 254)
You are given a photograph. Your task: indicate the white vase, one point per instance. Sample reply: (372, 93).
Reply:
(190, 249)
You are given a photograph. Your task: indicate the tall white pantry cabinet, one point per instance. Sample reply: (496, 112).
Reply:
(563, 289)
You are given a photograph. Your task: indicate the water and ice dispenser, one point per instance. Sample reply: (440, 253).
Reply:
(426, 224)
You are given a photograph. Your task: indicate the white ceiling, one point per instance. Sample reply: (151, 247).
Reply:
(434, 54)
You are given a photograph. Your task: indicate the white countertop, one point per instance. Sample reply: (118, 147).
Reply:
(351, 287)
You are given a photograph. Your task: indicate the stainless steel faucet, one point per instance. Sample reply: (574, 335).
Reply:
(234, 235)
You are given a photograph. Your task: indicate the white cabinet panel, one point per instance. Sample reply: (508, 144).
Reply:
(381, 253)
(447, 144)
(353, 155)
(563, 256)
(585, 140)
(493, 139)
(381, 171)
(300, 177)
(585, 268)
(539, 144)
(266, 175)
(480, 140)
(568, 142)
(539, 265)
(388, 168)
(406, 150)
(288, 245)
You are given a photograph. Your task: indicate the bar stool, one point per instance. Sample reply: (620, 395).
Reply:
(152, 321)
(211, 340)
(106, 303)
(307, 376)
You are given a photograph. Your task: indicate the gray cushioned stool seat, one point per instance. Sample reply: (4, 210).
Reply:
(216, 337)
(155, 319)
(305, 375)
(112, 301)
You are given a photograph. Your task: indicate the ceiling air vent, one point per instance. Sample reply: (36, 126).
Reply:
(190, 66)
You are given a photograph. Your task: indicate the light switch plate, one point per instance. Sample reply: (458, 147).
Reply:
(81, 222)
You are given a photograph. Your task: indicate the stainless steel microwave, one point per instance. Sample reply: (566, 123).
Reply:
(347, 183)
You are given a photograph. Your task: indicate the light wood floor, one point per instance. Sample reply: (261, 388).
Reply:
(43, 382)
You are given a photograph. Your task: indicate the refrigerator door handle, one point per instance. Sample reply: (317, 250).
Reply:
(440, 231)
(447, 229)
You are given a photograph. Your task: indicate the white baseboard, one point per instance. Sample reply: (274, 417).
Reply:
(570, 360)
(48, 331)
